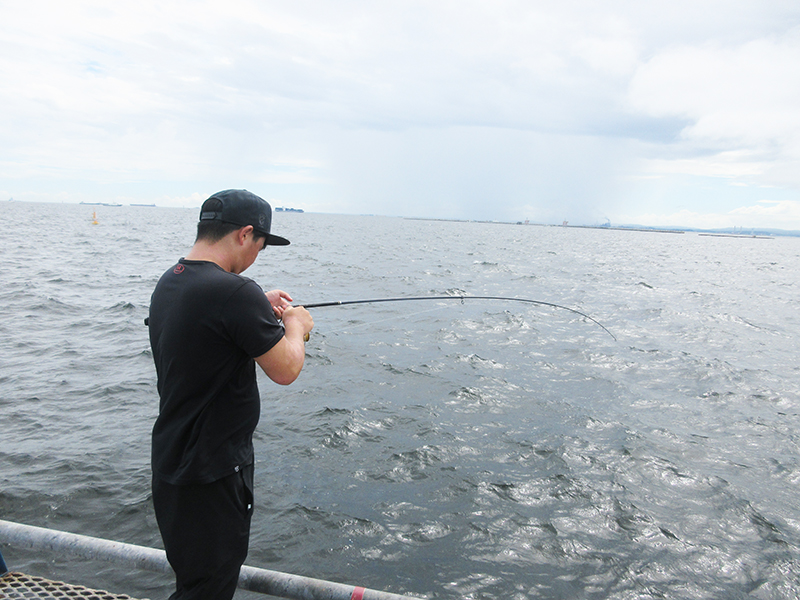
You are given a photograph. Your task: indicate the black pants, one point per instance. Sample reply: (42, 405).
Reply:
(206, 529)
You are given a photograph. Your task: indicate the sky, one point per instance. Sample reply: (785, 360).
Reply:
(659, 113)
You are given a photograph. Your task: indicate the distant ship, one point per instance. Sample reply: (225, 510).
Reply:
(100, 204)
(284, 209)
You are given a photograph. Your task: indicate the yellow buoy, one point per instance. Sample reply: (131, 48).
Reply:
(94, 217)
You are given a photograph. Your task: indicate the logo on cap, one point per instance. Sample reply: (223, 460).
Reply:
(262, 218)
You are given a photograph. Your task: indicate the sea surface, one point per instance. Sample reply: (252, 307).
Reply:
(484, 449)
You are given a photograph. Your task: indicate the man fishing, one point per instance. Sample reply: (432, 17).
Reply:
(209, 326)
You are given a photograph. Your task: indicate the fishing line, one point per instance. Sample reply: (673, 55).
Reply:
(392, 318)
(462, 298)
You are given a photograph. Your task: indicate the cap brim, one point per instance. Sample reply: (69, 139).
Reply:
(276, 240)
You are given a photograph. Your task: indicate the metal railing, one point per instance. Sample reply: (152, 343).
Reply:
(264, 581)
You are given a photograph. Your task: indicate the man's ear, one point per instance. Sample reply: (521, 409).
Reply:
(243, 233)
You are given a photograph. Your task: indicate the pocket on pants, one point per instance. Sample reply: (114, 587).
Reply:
(246, 489)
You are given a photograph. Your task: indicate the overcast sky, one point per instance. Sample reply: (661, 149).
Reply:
(656, 113)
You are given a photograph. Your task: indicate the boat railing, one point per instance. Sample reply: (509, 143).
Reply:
(264, 581)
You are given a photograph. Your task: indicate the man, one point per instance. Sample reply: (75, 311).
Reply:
(209, 326)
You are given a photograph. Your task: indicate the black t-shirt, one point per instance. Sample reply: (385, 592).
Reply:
(206, 327)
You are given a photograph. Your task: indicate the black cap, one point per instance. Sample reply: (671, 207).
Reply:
(240, 207)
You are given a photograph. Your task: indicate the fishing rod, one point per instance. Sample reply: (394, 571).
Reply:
(462, 298)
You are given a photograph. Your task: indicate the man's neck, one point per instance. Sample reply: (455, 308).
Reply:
(211, 253)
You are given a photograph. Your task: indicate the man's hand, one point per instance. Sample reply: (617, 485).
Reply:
(280, 301)
(297, 320)
(284, 361)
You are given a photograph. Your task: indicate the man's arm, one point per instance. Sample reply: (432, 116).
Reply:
(284, 361)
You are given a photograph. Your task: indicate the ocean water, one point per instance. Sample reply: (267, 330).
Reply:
(484, 449)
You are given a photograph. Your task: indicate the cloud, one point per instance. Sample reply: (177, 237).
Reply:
(506, 109)
(484, 173)
(787, 211)
(730, 164)
(740, 102)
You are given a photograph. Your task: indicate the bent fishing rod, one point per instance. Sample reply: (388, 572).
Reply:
(462, 298)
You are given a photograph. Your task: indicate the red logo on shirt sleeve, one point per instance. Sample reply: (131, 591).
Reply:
(178, 269)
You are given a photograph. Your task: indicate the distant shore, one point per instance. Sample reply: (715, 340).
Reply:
(737, 232)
